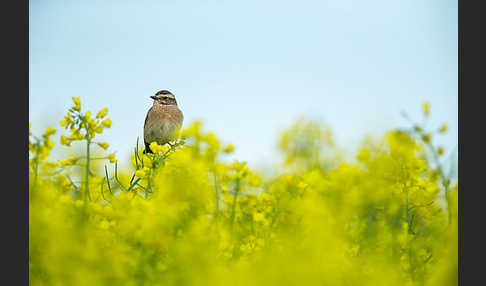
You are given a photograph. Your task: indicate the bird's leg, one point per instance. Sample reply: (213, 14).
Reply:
(147, 149)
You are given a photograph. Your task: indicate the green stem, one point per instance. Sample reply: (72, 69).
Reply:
(233, 208)
(36, 166)
(86, 191)
(216, 195)
(443, 178)
(148, 188)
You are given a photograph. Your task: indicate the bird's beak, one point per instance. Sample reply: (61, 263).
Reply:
(152, 97)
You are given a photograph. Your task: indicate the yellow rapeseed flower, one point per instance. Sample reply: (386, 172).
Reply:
(68, 119)
(103, 145)
(142, 173)
(443, 128)
(164, 148)
(236, 165)
(229, 148)
(302, 185)
(50, 131)
(78, 203)
(426, 137)
(102, 113)
(111, 157)
(106, 122)
(363, 155)
(52, 165)
(156, 148)
(49, 144)
(255, 180)
(426, 107)
(77, 103)
(76, 135)
(43, 153)
(440, 151)
(212, 141)
(99, 129)
(90, 121)
(68, 162)
(80, 136)
(66, 184)
(104, 224)
(65, 141)
(257, 217)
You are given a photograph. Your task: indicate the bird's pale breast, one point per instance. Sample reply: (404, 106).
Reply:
(162, 123)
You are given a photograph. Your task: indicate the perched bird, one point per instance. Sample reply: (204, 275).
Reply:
(163, 121)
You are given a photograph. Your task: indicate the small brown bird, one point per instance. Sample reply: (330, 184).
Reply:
(163, 121)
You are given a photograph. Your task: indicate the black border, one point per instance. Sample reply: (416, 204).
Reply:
(14, 227)
(472, 254)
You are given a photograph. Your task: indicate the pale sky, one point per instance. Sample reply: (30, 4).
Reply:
(246, 68)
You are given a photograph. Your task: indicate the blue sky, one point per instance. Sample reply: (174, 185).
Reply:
(248, 69)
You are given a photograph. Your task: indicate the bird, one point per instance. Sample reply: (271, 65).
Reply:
(163, 121)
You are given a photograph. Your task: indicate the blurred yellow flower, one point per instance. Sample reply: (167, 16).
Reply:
(49, 144)
(254, 180)
(103, 145)
(426, 108)
(49, 131)
(302, 185)
(104, 224)
(440, 151)
(68, 162)
(66, 184)
(443, 128)
(212, 141)
(52, 165)
(363, 155)
(197, 208)
(426, 137)
(258, 217)
(237, 165)
(111, 157)
(229, 148)
(78, 203)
